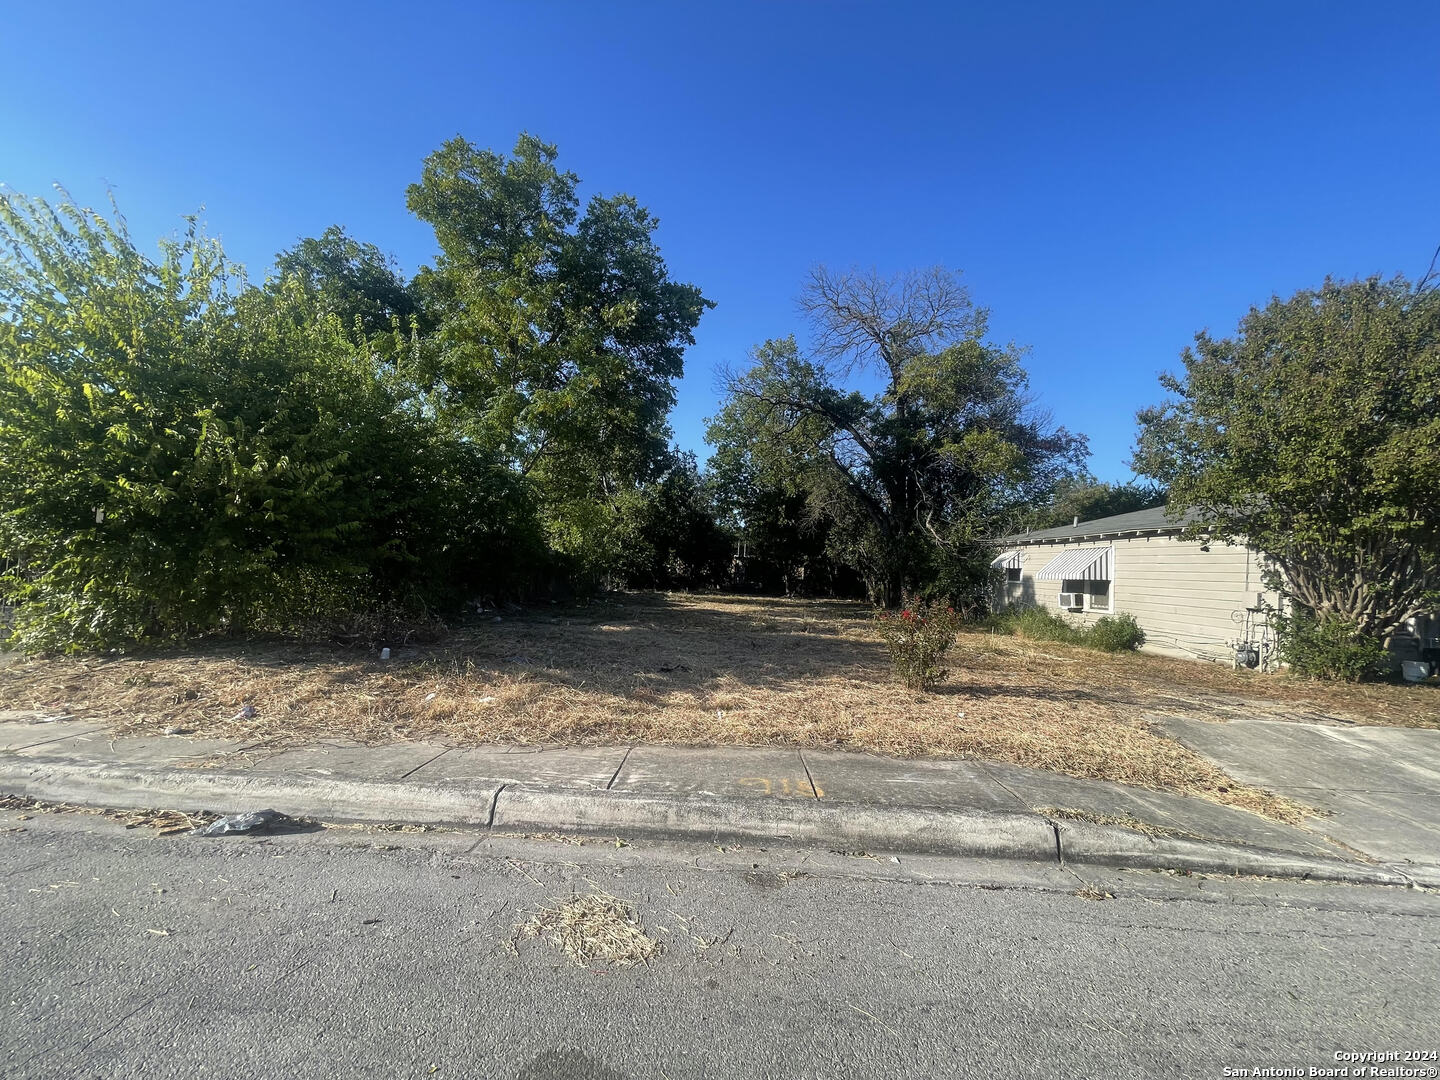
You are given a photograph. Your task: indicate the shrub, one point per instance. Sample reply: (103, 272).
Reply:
(1111, 633)
(1115, 633)
(184, 454)
(917, 638)
(1327, 648)
(1034, 624)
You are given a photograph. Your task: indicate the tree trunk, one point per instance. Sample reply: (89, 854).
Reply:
(889, 590)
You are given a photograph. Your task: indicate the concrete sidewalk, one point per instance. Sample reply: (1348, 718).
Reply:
(842, 800)
(1379, 786)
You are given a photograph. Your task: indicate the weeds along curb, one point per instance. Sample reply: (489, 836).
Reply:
(983, 834)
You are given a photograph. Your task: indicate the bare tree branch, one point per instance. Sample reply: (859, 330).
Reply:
(1431, 278)
(863, 318)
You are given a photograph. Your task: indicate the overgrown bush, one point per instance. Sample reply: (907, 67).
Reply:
(1110, 633)
(184, 454)
(917, 637)
(1036, 624)
(1328, 648)
(1115, 633)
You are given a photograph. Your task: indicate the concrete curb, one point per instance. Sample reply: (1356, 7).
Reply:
(326, 799)
(846, 826)
(842, 825)
(1106, 845)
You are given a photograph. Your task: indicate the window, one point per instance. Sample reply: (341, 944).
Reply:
(1096, 593)
(1012, 573)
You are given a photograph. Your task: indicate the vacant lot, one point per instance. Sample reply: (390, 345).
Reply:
(711, 670)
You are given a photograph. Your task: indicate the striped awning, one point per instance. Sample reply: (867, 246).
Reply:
(1011, 560)
(1079, 564)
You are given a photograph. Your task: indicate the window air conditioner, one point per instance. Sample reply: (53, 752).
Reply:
(1072, 601)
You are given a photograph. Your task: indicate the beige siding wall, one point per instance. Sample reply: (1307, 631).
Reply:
(1190, 602)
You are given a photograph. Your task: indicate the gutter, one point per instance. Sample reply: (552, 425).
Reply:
(1112, 535)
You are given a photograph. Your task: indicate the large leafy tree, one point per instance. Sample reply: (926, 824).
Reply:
(1084, 498)
(915, 475)
(1313, 435)
(351, 280)
(180, 453)
(782, 541)
(559, 335)
(672, 537)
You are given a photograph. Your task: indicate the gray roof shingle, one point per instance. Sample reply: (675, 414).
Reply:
(1144, 521)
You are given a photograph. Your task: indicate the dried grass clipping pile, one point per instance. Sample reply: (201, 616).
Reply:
(597, 927)
(164, 822)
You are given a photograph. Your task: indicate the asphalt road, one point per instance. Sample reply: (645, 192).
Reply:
(360, 953)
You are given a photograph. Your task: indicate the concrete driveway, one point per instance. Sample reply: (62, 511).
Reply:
(1379, 786)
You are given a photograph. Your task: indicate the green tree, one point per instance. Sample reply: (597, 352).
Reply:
(559, 336)
(1084, 498)
(1313, 435)
(915, 476)
(355, 282)
(182, 454)
(784, 542)
(673, 536)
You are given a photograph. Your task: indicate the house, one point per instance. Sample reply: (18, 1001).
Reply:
(1191, 598)
(1207, 601)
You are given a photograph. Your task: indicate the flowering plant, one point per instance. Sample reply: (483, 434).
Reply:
(917, 637)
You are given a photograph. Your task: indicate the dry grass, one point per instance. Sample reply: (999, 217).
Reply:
(1162, 685)
(597, 927)
(734, 671)
(1121, 821)
(164, 822)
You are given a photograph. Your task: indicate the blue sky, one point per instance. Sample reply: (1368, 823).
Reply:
(1111, 178)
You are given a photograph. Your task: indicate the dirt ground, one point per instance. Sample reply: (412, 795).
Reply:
(712, 670)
